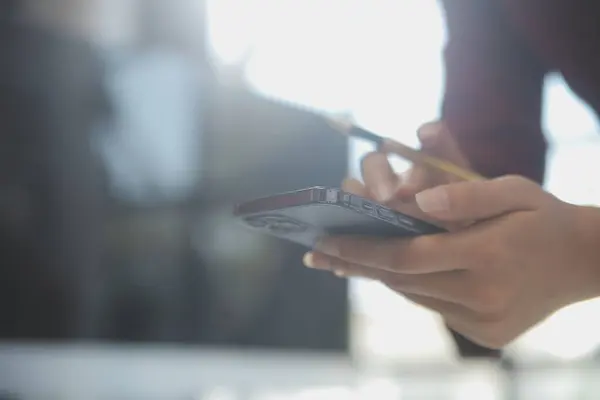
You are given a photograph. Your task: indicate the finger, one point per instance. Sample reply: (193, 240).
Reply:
(407, 185)
(343, 268)
(489, 334)
(444, 308)
(380, 179)
(480, 199)
(446, 285)
(420, 255)
(387, 187)
(413, 181)
(430, 135)
(354, 186)
(438, 141)
(449, 286)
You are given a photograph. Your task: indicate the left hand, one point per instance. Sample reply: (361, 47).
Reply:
(525, 257)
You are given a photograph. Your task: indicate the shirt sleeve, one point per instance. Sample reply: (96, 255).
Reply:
(493, 91)
(492, 100)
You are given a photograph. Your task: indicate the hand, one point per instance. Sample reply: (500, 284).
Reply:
(383, 185)
(526, 256)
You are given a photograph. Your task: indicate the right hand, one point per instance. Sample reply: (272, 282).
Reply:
(397, 191)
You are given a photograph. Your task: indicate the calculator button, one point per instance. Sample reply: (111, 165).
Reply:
(355, 204)
(367, 206)
(386, 214)
(405, 221)
(276, 224)
(346, 199)
(355, 201)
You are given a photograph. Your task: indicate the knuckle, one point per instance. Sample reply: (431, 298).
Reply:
(513, 178)
(408, 251)
(490, 253)
(494, 340)
(408, 177)
(519, 182)
(396, 285)
(403, 284)
(434, 125)
(392, 253)
(490, 300)
(494, 336)
(492, 303)
(418, 176)
(411, 182)
(491, 334)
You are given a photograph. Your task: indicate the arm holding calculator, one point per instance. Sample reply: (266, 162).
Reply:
(523, 255)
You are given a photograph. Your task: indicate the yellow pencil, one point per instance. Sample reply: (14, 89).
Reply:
(404, 151)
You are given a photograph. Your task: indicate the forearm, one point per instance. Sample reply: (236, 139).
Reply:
(492, 99)
(493, 92)
(505, 149)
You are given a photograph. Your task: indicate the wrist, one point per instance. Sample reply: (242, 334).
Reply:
(588, 236)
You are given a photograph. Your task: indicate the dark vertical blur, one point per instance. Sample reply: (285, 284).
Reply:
(50, 189)
(119, 167)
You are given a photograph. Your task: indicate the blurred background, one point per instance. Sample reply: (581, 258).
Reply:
(130, 128)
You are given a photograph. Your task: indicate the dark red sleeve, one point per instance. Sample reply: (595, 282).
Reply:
(492, 100)
(493, 91)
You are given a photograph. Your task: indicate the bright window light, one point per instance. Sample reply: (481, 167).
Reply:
(231, 29)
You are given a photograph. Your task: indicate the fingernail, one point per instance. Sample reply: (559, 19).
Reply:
(384, 192)
(309, 260)
(433, 200)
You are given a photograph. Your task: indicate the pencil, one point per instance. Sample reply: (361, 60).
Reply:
(415, 156)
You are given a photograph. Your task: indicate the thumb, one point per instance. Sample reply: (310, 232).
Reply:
(479, 200)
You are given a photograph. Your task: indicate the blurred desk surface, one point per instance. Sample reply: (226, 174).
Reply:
(155, 371)
(123, 372)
